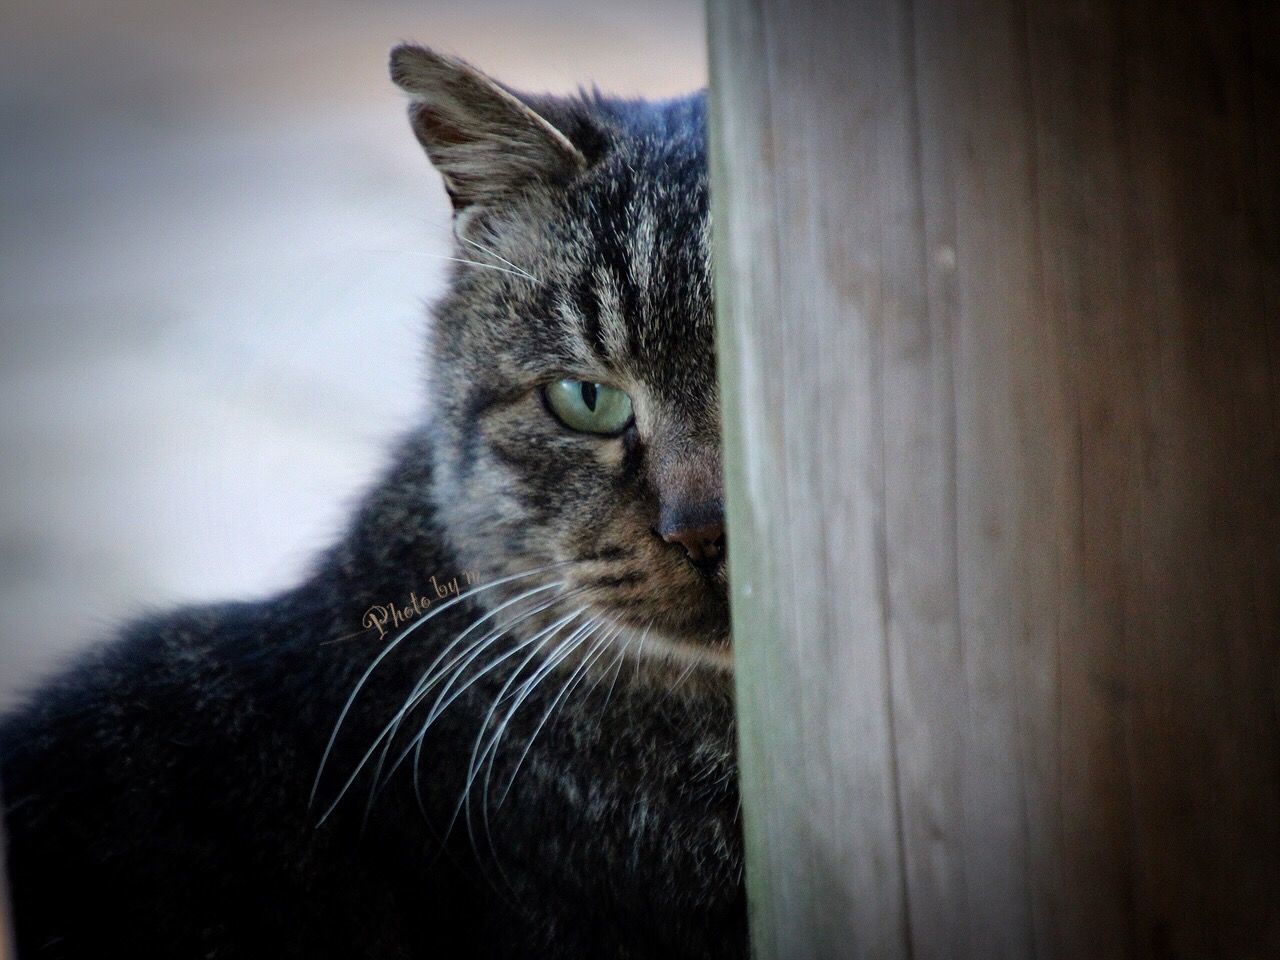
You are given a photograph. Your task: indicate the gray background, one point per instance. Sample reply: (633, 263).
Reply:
(216, 237)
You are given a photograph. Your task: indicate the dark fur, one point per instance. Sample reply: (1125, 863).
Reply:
(158, 793)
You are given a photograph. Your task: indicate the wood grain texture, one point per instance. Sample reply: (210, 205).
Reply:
(999, 295)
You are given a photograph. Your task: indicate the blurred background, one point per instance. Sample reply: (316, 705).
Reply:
(217, 235)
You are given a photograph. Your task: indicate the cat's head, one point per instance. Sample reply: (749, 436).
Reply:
(573, 365)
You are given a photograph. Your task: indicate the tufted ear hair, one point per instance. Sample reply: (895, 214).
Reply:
(485, 141)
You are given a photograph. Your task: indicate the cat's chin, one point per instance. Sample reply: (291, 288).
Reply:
(692, 638)
(682, 652)
(688, 654)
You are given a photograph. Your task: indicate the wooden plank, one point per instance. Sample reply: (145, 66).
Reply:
(803, 412)
(1000, 359)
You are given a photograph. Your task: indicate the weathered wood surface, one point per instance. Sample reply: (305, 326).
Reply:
(999, 293)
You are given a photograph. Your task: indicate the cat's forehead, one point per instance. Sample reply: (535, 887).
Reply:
(635, 280)
(608, 276)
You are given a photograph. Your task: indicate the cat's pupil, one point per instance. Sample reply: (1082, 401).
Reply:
(589, 396)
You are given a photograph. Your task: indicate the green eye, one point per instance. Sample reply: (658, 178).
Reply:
(588, 407)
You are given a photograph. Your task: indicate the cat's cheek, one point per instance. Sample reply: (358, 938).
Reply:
(610, 454)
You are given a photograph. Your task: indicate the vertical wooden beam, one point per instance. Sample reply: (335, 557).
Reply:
(999, 295)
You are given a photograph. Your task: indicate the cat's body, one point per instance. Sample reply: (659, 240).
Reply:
(177, 793)
(158, 795)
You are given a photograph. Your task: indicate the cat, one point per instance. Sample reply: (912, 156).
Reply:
(496, 718)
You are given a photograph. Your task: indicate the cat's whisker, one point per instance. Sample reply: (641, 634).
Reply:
(518, 697)
(415, 745)
(566, 691)
(561, 653)
(434, 671)
(616, 667)
(487, 640)
(685, 674)
(576, 642)
(474, 263)
(622, 653)
(605, 672)
(467, 658)
(498, 256)
(454, 670)
(640, 646)
(431, 675)
(441, 704)
(439, 707)
(476, 753)
(364, 677)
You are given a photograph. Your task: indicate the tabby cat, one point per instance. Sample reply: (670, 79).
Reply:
(495, 720)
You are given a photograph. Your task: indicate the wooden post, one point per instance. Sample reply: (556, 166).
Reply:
(999, 294)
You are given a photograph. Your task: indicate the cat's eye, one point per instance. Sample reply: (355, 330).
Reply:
(589, 407)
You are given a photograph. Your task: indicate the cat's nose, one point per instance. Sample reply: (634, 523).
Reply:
(701, 533)
(691, 506)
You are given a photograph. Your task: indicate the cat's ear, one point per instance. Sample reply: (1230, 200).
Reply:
(486, 142)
